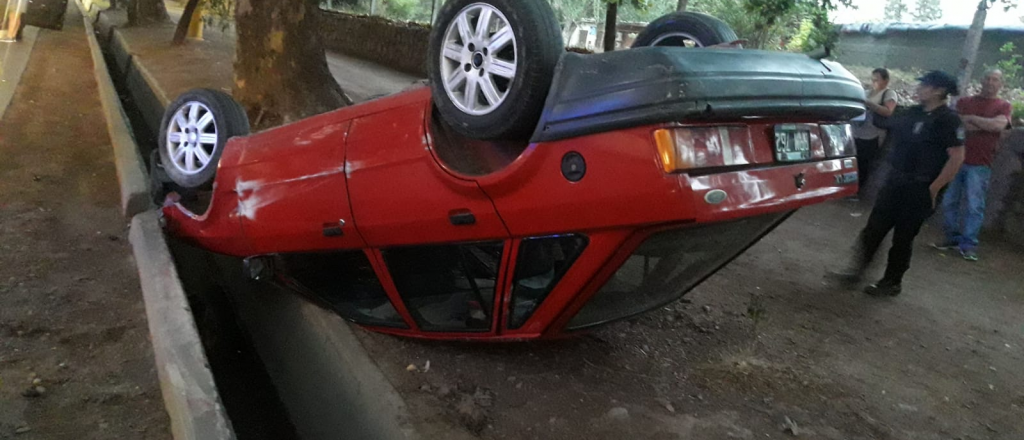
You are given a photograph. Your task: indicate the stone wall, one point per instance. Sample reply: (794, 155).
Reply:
(400, 46)
(920, 47)
(1013, 220)
(1005, 205)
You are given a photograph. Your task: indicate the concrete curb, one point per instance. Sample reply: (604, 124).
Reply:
(327, 381)
(329, 384)
(186, 382)
(15, 59)
(151, 81)
(131, 173)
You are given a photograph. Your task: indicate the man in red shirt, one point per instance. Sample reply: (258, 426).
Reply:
(985, 117)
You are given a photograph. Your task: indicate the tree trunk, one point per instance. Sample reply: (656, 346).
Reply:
(281, 70)
(611, 18)
(186, 18)
(682, 5)
(146, 11)
(970, 54)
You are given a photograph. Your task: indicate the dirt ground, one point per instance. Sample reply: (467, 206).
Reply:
(764, 341)
(71, 313)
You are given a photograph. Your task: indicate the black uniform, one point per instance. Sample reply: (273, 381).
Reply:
(920, 141)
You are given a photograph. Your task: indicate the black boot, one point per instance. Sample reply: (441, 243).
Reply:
(884, 288)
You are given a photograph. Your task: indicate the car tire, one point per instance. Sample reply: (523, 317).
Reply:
(680, 28)
(194, 130)
(491, 83)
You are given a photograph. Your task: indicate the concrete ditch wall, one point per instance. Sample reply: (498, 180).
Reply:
(326, 380)
(400, 46)
(1005, 206)
(190, 395)
(924, 47)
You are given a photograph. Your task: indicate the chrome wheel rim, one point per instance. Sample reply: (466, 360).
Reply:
(479, 59)
(688, 40)
(192, 138)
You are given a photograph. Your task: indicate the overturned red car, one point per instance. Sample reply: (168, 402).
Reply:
(527, 192)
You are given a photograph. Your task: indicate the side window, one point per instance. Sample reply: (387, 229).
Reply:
(542, 262)
(346, 282)
(447, 288)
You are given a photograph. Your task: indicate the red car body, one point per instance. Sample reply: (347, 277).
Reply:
(370, 178)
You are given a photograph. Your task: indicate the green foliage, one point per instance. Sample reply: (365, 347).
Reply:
(1007, 4)
(218, 13)
(895, 9)
(1018, 110)
(1013, 70)
(928, 10)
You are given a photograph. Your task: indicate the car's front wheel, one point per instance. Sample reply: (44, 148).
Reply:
(491, 65)
(686, 29)
(195, 128)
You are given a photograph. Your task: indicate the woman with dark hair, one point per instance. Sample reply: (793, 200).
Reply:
(881, 103)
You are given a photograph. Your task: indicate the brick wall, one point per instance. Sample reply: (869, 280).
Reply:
(401, 46)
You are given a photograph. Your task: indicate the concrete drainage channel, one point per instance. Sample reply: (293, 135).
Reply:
(236, 358)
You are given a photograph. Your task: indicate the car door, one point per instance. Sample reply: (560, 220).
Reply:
(401, 197)
(293, 196)
(438, 239)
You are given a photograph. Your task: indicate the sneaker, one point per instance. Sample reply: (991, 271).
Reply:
(969, 255)
(946, 245)
(884, 288)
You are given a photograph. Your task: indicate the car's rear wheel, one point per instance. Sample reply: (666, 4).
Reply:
(491, 65)
(193, 133)
(685, 29)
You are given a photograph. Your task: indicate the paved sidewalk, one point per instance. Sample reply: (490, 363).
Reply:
(71, 313)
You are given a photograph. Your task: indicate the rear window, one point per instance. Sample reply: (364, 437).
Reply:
(667, 265)
(344, 281)
(541, 263)
(448, 288)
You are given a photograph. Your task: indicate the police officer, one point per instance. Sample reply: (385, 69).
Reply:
(927, 151)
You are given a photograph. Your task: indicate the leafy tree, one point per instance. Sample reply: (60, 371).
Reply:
(612, 18)
(769, 15)
(895, 9)
(973, 41)
(1010, 65)
(281, 70)
(183, 24)
(928, 10)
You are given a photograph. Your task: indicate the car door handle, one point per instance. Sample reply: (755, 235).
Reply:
(461, 217)
(334, 229)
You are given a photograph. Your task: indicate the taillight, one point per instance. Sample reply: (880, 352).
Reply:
(704, 147)
(838, 140)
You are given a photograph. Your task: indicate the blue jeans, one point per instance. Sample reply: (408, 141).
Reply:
(963, 223)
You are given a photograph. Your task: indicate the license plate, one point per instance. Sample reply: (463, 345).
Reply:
(792, 143)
